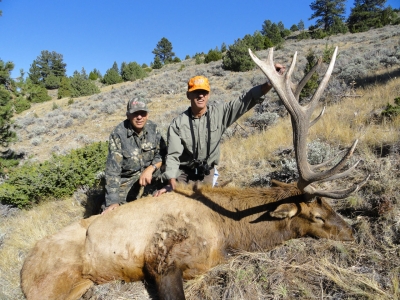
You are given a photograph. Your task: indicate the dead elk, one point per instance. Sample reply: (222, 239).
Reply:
(185, 233)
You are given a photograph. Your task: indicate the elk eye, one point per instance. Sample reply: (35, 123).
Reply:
(319, 219)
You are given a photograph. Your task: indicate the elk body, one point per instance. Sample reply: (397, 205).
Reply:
(185, 233)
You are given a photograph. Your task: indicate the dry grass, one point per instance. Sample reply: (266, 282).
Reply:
(22, 232)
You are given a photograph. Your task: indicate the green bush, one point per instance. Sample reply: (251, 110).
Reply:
(212, 55)
(81, 85)
(237, 58)
(392, 110)
(38, 94)
(52, 82)
(21, 104)
(65, 88)
(111, 77)
(58, 177)
(132, 71)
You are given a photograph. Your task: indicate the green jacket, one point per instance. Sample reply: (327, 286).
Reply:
(128, 155)
(180, 142)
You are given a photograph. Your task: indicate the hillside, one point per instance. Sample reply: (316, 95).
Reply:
(44, 130)
(366, 77)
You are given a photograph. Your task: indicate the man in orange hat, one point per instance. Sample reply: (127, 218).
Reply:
(194, 136)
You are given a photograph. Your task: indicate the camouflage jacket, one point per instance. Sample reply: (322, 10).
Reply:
(129, 154)
(180, 140)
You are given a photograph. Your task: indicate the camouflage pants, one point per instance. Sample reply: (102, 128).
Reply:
(129, 188)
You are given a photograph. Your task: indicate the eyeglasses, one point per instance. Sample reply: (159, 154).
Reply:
(141, 113)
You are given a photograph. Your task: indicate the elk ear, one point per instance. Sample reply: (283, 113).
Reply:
(283, 211)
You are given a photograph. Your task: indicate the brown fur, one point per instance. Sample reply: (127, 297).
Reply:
(173, 237)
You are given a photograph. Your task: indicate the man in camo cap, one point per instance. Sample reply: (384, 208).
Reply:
(135, 154)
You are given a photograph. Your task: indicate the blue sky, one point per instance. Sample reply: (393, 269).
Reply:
(94, 34)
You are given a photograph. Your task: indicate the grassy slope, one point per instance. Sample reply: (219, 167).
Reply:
(303, 268)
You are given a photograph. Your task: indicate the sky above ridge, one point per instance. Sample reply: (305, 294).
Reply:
(95, 34)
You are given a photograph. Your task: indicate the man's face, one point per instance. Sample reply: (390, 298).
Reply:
(138, 120)
(198, 99)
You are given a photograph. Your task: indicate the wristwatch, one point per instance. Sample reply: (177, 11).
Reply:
(155, 167)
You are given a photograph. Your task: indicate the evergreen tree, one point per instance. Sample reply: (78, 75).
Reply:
(95, 74)
(6, 134)
(301, 25)
(369, 13)
(65, 88)
(311, 84)
(272, 31)
(52, 82)
(157, 64)
(80, 85)
(123, 65)
(325, 11)
(132, 71)
(115, 67)
(45, 64)
(212, 55)
(35, 92)
(294, 28)
(163, 51)
(223, 47)
(258, 41)
(237, 57)
(111, 77)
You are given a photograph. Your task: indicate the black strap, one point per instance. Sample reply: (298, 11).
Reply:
(195, 153)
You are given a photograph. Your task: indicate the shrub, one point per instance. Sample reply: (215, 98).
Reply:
(261, 121)
(212, 55)
(21, 104)
(111, 77)
(58, 177)
(237, 58)
(65, 88)
(132, 71)
(392, 110)
(52, 82)
(82, 86)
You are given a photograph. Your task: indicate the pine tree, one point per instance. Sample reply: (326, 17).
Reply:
(157, 64)
(45, 64)
(237, 57)
(111, 77)
(163, 51)
(301, 25)
(369, 13)
(311, 84)
(272, 31)
(132, 71)
(325, 11)
(81, 85)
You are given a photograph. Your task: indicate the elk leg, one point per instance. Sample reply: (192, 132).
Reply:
(170, 284)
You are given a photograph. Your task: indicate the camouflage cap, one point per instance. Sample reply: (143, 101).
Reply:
(135, 105)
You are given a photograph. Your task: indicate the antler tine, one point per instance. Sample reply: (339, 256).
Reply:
(317, 118)
(314, 100)
(306, 78)
(338, 194)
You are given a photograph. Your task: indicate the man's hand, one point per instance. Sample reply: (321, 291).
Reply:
(168, 188)
(146, 176)
(280, 69)
(110, 208)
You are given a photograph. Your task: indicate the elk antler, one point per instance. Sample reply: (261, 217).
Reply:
(300, 117)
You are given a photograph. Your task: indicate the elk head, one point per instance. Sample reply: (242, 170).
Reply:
(301, 122)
